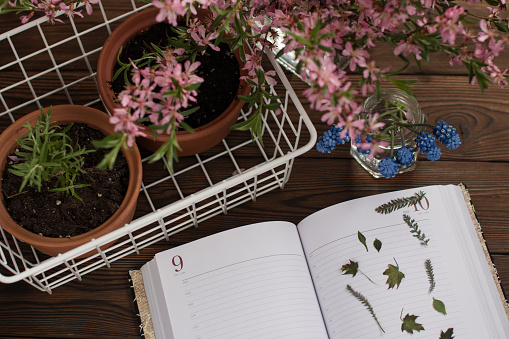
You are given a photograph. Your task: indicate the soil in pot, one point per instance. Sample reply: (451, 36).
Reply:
(219, 69)
(57, 214)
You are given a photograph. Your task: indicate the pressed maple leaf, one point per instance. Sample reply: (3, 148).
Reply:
(350, 268)
(447, 334)
(410, 325)
(394, 276)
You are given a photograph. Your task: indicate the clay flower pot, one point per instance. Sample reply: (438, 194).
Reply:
(205, 136)
(93, 118)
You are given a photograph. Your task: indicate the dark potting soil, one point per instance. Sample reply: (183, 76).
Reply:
(220, 71)
(57, 214)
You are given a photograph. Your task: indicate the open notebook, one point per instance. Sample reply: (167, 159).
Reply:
(279, 280)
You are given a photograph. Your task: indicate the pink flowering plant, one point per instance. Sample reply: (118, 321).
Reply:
(321, 34)
(48, 8)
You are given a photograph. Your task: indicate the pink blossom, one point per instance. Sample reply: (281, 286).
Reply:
(169, 10)
(407, 48)
(203, 38)
(378, 146)
(358, 56)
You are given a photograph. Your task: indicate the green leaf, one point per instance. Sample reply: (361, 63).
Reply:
(414, 229)
(362, 239)
(429, 273)
(439, 306)
(447, 335)
(410, 325)
(394, 276)
(366, 303)
(377, 244)
(350, 268)
(399, 203)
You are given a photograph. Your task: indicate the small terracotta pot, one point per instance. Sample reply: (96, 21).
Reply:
(206, 136)
(93, 118)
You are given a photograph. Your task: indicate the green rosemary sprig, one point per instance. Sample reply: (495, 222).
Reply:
(365, 302)
(431, 276)
(399, 203)
(414, 229)
(46, 152)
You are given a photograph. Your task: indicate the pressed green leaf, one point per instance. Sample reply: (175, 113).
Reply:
(394, 276)
(350, 268)
(447, 334)
(362, 239)
(366, 303)
(377, 244)
(410, 325)
(439, 306)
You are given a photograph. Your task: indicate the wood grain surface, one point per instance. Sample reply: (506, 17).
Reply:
(100, 306)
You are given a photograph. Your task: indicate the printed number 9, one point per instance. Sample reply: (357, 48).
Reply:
(178, 262)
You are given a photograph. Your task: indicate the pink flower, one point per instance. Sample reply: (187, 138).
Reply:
(406, 48)
(126, 123)
(203, 38)
(358, 56)
(169, 10)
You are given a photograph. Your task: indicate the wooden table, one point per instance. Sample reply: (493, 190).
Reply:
(101, 305)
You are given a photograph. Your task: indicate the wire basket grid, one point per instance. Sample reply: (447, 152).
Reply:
(238, 170)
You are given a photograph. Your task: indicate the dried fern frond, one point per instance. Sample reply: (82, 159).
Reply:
(431, 276)
(396, 204)
(414, 229)
(365, 302)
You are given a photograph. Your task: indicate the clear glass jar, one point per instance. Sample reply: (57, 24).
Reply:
(414, 115)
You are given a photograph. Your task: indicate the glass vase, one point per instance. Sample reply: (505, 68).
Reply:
(414, 115)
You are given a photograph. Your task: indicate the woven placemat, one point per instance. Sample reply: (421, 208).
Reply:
(141, 302)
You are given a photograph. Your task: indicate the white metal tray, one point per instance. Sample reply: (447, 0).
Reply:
(201, 186)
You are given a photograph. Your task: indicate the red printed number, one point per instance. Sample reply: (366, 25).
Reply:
(178, 262)
(422, 206)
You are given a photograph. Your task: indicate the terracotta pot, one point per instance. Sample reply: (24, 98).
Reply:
(93, 118)
(205, 136)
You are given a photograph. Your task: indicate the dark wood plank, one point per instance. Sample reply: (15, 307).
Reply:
(101, 304)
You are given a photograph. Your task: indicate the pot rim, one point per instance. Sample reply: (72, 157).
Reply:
(129, 28)
(77, 114)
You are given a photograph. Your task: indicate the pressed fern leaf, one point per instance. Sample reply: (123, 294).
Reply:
(365, 302)
(431, 276)
(414, 229)
(396, 204)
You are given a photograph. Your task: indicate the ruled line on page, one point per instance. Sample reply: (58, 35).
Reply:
(254, 298)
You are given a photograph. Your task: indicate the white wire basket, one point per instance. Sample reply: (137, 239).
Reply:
(238, 170)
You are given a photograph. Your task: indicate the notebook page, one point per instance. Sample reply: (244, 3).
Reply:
(330, 240)
(249, 282)
(488, 298)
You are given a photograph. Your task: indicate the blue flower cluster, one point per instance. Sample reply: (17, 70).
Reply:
(427, 144)
(330, 139)
(447, 135)
(390, 166)
(358, 140)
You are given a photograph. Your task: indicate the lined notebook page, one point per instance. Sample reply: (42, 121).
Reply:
(330, 240)
(249, 282)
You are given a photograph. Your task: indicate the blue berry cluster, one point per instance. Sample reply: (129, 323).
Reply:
(330, 139)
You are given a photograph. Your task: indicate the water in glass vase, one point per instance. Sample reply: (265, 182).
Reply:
(408, 108)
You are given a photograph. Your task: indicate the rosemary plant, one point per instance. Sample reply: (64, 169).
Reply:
(46, 153)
